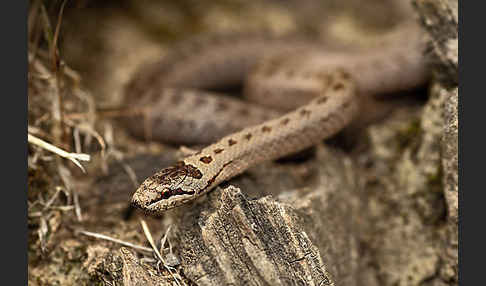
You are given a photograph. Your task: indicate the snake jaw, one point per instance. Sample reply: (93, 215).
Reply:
(166, 189)
(153, 201)
(145, 197)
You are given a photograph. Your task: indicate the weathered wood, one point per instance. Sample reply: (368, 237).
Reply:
(136, 273)
(302, 237)
(440, 18)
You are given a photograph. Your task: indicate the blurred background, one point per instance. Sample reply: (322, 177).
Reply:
(81, 55)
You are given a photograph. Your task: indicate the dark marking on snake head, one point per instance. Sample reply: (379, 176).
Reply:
(285, 121)
(206, 159)
(211, 181)
(266, 129)
(231, 142)
(194, 173)
(180, 169)
(175, 192)
(248, 136)
(219, 150)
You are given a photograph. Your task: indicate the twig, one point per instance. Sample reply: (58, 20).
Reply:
(74, 157)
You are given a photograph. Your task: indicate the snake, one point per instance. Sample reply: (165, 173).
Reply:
(305, 94)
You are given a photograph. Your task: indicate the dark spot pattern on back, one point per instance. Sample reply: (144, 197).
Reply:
(266, 129)
(305, 112)
(200, 101)
(222, 106)
(322, 99)
(285, 121)
(231, 142)
(248, 136)
(377, 64)
(176, 97)
(306, 74)
(324, 119)
(219, 150)
(338, 86)
(324, 76)
(289, 73)
(266, 116)
(206, 159)
(244, 112)
(270, 68)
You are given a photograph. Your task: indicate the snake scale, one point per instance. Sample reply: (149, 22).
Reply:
(305, 93)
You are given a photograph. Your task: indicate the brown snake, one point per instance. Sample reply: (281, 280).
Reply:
(327, 85)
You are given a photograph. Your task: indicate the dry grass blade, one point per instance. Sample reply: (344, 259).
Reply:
(88, 130)
(105, 237)
(67, 179)
(54, 52)
(147, 233)
(74, 157)
(164, 238)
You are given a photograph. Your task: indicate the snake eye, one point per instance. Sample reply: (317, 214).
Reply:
(167, 193)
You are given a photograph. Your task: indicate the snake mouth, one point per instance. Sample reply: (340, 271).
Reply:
(154, 201)
(168, 195)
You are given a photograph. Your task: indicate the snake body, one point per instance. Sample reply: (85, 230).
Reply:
(327, 85)
(230, 156)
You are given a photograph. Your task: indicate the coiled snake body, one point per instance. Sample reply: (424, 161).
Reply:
(285, 73)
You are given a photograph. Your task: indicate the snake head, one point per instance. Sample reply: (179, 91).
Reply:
(167, 188)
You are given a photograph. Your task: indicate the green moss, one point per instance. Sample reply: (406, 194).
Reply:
(409, 135)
